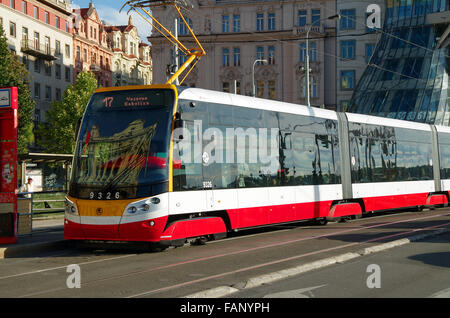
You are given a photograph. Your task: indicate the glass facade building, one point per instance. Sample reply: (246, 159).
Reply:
(408, 75)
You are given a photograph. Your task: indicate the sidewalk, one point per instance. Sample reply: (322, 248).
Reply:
(48, 234)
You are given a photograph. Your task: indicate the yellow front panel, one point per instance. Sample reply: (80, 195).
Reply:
(108, 208)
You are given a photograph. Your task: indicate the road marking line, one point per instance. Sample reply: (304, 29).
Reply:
(441, 294)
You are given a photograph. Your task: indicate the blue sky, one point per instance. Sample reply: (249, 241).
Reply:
(108, 10)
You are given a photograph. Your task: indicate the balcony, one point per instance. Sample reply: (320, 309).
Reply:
(34, 48)
(302, 29)
(95, 68)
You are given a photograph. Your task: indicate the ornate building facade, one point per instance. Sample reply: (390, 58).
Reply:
(132, 61)
(237, 33)
(90, 45)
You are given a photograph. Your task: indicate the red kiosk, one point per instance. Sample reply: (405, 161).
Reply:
(8, 164)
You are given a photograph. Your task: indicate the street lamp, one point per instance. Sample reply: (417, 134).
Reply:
(253, 74)
(333, 17)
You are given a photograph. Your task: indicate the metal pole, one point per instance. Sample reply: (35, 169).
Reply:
(308, 102)
(253, 79)
(253, 75)
(333, 17)
(176, 50)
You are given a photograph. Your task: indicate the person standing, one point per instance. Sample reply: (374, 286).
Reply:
(27, 187)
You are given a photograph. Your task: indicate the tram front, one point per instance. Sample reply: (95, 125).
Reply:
(120, 178)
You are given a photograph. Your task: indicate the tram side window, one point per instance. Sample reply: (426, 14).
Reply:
(444, 154)
(412, 161)
(384, 154)
(187, 170)
(305, 160)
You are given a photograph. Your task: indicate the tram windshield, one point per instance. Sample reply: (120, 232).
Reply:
(122, 150)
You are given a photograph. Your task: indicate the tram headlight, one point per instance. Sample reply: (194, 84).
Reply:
(143, 206)
(71, 207)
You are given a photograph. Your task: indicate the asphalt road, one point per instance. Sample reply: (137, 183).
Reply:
(119, 271)
(420, 269)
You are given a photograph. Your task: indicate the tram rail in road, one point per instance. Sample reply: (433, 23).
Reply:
(229, 262)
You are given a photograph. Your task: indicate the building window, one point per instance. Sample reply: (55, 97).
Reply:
(348, 49)
(312, 52)
(37, 90)
(272, 90)
(348, 19)
(315, 17)
(259, 54)
(225, 24)
(85, 59)
(260, 22)
(24, 7)
(36, 13)
(57, 47)
(67, 26)
(67, 73)
(225, 57)
(12, 29)
(58, 71)
(12, 4)
(302, 52)
(347, 80)
(57, 21)
(48, 93)
(271, 21)
(236, 23)
(226, 87)
(58, 94)
(37, 41)
(48, 68)
(47, 17)
(26, 62)
(47, 45)
(301, 17)
(67, 50)
(271, 54)
(237, 56)
(182, 29)
(370, 48)
(260, 89)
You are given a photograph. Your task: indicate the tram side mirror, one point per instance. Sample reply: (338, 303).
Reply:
(77, 128)
(179, 124)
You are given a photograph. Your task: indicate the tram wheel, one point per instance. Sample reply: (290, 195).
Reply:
(156, 248)
(199, 241)
(321, 221)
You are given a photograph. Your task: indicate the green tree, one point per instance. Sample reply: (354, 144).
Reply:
(58, 133)
(14, 73)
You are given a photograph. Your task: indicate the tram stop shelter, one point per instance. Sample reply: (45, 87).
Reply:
(50, 174)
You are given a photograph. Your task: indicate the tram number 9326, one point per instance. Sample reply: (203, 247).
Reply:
(104, 196)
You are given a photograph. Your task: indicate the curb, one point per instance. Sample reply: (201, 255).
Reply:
(257, 281)
(25, 250)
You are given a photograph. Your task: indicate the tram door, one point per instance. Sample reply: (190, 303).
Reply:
(212, 169)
